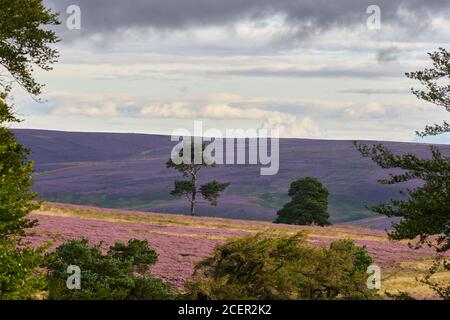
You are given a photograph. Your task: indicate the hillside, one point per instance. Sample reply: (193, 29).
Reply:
(181, 241)
(128, 171)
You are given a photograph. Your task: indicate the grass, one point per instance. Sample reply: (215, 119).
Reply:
(190, 235)
(408, 282)
(138, 202)
(203, 223)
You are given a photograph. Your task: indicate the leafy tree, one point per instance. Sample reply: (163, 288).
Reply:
(265, 267)
(24, 44)
(20, 276)
(120, 274)
(15, 179)
(190, 169)
(309, 204)
(425, 210)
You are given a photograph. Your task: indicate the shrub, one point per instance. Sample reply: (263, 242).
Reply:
(117, 275)
(264, 267)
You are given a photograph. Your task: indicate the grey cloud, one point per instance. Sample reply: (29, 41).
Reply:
(306, 16)
(376, 91)
(318, 73)
(388, 55)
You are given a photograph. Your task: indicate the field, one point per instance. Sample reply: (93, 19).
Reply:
(182, 240)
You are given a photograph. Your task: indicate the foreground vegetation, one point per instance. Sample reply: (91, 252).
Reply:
(181, 241)
(262, 267)
(254, 267)
(120, 274)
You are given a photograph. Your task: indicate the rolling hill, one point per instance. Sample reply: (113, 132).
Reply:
(116, 170)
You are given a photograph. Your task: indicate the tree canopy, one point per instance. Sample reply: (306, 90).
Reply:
(424, 210)
(26, 42)
(190, 169)
(309, 204)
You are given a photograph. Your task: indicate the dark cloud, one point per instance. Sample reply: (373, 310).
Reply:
(388, 55)
(105, 16)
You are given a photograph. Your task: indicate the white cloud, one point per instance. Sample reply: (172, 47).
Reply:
(337, 119)
(215, 107)
(365, 110)
(108, 109)
(88, 105)
(175, 110)
(287, 124)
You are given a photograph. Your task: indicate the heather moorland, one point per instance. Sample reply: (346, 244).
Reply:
(181, 241)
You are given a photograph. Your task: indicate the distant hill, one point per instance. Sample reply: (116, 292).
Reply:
(128, 171)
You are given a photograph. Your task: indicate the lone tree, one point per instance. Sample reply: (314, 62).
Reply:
(425, 210)
(308, 206)
(190, 169)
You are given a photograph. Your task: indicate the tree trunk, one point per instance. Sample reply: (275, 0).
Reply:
(194, 193)
(193, 203)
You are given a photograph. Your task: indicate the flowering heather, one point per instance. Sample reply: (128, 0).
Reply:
(181, 241)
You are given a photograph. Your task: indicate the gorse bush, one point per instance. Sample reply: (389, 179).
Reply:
(119, 274)
(263, 267)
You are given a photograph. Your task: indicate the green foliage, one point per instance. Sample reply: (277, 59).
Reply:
(20, 276)
(25, 40)
(425, 210)
(212, 190)
(192, 163)
(109, 276)
(308, 206)
(183, 188)
(149, 288)
(135, 251)
(24, 43)
(263, 267)
(15, 179)
(436, 90)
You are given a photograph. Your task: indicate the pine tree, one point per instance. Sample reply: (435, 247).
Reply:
(308, 206)
(190, 169)
(425, 210)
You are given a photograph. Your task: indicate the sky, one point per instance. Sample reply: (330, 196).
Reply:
(309, 68)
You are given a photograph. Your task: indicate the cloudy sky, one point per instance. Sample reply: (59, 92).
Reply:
(310, 68)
